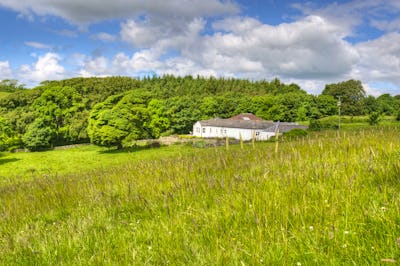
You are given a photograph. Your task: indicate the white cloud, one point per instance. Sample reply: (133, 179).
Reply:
(5, 70)
(310, 51)
(47, 67)
(38, 45)
(311, 48)
(175, 33)
(89, 11)
(371, 91)
(97, 66)
(351, 14)
(379, 59)
(105, 37)
(308, 48)
(387, 25)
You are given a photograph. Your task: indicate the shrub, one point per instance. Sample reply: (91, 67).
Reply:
(295, 133)
(374, 118)
(317, 125)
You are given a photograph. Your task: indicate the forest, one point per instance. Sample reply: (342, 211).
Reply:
(114, 111)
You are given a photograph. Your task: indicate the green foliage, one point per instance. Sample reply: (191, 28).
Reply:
(351, 95)
(10, 85)
(40, 134)
(8, 139)
(374, 118)
(318, 124)
(123, 118)
(295, 133)
(174, 104)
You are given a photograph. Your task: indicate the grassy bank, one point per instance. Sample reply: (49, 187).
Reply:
(327, 199)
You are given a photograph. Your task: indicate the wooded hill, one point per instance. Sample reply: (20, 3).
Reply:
(117, 110)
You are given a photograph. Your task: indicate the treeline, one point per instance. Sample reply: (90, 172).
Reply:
(117, 110)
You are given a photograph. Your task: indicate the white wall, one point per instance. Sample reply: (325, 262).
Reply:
(221, 132)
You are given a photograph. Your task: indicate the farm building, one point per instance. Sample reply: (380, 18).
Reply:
(245, 126)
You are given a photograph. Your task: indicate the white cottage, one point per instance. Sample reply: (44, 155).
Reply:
(245, 126)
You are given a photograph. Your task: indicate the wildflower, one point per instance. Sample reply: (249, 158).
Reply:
(383, 208)
(298, 263)
(346, 232)
(311, 228)
(344, 246)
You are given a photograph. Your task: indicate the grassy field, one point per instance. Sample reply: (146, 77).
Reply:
(328, 199)
(22, 166)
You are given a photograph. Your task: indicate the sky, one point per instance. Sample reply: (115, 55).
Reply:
(311, 43)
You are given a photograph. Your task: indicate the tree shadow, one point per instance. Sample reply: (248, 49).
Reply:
(132, 149)
(8, 160)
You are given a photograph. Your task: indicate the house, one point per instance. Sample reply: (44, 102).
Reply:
(245, 126)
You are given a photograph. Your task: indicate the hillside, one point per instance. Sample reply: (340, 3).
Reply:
(327, 199)
(115, 111)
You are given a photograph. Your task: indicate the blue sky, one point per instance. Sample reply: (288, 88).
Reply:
(311, 43)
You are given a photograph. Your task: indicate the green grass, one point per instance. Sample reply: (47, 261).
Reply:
(328, 199)
(79, 159)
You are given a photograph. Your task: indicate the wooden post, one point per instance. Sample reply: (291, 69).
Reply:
(241, 141)
(277, 140)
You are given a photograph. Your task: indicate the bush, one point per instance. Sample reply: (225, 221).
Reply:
(317, 125)
(295, 133)
(374, 118)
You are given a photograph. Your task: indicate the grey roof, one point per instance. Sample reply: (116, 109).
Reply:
(267, 126)
(247, 124)
(284, 127)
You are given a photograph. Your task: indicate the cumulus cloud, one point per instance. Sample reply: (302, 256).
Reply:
(308, 48)
(350, 15)
(311, 48)
(379, 59)
(5, 70)
(89, 11)
(47, 67)
(97, 66)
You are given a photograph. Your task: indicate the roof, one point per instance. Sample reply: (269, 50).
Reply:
(284, 127)
(232, 123)
(246, 116)
(267, 126)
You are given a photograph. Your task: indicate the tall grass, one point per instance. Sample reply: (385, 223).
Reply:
(327, 199)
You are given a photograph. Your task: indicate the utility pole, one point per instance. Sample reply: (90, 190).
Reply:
(339, 104)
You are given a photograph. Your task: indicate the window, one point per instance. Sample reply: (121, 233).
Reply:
(204, 130)
(198, 130)
(257, 133)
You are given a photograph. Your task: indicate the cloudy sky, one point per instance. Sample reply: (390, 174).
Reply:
(311, 43)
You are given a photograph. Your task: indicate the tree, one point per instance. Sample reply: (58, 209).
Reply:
(388, 104)
(10, 85)
(8, 138)
(120, 119)
(351, 94)
(39, 135)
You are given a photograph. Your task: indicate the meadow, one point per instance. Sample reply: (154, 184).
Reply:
(331, 198)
